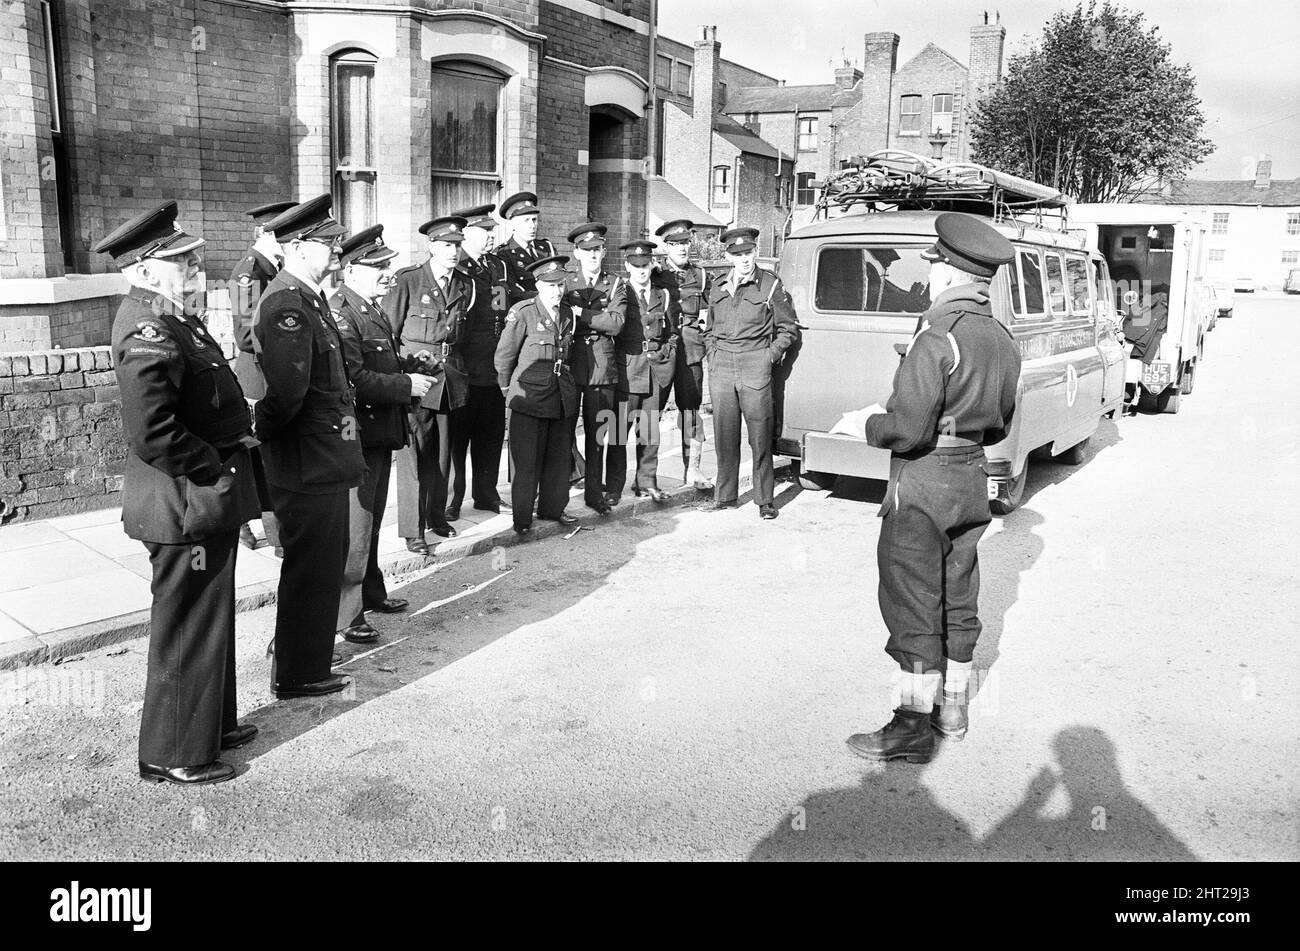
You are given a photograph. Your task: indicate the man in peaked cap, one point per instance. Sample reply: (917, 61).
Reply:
(532, 370)
(248, 281)
(311, 447)
(385, 385)
(954, 393)
(689, 286)
(646, 358)
(590, 292)
(751, 325)
(479, 427)
(428, 304)
(523, 216)
(189, 486)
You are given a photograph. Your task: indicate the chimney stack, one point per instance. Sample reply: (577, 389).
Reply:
(986, 44)
(847, 76)
(879, 61)
(707, 101)
(1264, 172)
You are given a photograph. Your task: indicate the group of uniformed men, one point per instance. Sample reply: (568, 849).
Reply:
(433, 361)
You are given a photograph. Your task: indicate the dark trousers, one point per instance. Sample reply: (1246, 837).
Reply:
(688, 395)
(189, 694)
(423, 469)
(314, 533)
(935, 512)
(740, 386)
(599, 406)
(540, 449)
(479, 428)
(363, 582)
(638, 424)
(264, 493)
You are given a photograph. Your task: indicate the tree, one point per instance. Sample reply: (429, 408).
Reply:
(1097, 109)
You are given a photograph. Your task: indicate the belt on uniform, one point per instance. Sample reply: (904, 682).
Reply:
(944, 441)
(646, 348)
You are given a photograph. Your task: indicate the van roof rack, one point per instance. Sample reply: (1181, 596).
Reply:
(902, 179)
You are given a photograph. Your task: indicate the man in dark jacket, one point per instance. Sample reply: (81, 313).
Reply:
(954, 393)
(311, 447)
(189, 486)
(384, 394)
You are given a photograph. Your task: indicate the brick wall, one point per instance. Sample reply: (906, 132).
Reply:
(79, 323)
(563, 125)
(582, 39)
(63, 449)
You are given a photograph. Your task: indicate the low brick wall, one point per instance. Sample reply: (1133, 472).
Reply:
(61, 443)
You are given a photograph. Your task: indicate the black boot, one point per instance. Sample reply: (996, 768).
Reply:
(907, 735)
(949, 716)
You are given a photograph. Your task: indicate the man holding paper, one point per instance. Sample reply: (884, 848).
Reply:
(954, 393)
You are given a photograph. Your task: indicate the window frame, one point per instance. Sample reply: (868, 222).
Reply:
(1222, 255)
(1219, 222)
(812, 134)
(1293, 255)
(51, 43)
(1048, 255)
(660, 59)
(1030, 317)
(936, 112)
(903, 114)
(849, 245)
(680, 67)
(725, 186)
(1090, 304)
(1293, 222)
(798, 190)
(338, 169)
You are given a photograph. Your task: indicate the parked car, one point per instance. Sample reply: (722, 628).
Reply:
(1243, 285)
(1292, 283)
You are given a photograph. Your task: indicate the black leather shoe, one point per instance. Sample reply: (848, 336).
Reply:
(719, 506)
(214, 772)
(949, 716)
(336, 659)
(246, 537)
(453, 513)
(360, 634)
(578, 482)
(767, 511)
(331, 684)
(600, 507)
(494, 508)
(443, 531)
(524, 531)
(417, 545)
(238, 737)
(389, 606)
(656, 493)
(907, 736)
(564, 518)
(612, 498)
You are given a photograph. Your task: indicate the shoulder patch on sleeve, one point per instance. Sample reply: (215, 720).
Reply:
(151, 330)
(290, 323)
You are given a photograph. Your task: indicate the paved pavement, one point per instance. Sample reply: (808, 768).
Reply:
(78, 582)
(680, 684)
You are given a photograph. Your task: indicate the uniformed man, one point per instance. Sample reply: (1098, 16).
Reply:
(689, 285)
(533, 372)
(589, 290)
(311, 446)
(479, 427)
(954, 392)
(428, 304)
(646, 351)
(248, 282)
(189, 486)
(384, 392)
(524, 247)
(751, 324)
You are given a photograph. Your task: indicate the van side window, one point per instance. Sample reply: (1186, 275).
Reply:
(1080, 287)
(872, 279)
(1027, 285)
(1056, 283)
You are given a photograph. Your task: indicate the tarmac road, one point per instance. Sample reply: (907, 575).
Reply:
(681, 685)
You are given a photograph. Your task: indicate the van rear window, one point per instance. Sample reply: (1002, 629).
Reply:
(876, 279)
(1027, 285)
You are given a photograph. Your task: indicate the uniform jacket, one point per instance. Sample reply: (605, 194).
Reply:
(188, 475)
(370, 352)
(760, 314)
(593, 357)
(959, 377)
(646, 343)
(307, 421)
(531, 361)
(690, 289)
(248, 283)
(425, 319)
(486, 318)
(522, 285)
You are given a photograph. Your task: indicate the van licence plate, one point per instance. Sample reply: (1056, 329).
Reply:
(1155, 376)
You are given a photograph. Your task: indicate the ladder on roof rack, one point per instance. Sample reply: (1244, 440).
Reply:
(902, 179)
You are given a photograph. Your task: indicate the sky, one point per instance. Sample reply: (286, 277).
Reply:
(1245, 55)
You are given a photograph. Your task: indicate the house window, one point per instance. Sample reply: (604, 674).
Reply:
(722, 93)
(909, 116)
(54, 96)
(1216, 254)
(682, 78)
(722, 185)
(804, 193)
(941, 114)
(352, 138)
(1293, 222)
(807, 133)
(466, 135)
(1220, 223)
(1290, 257)
(663, 71)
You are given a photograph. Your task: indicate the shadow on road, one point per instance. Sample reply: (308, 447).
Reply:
(892, 816)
